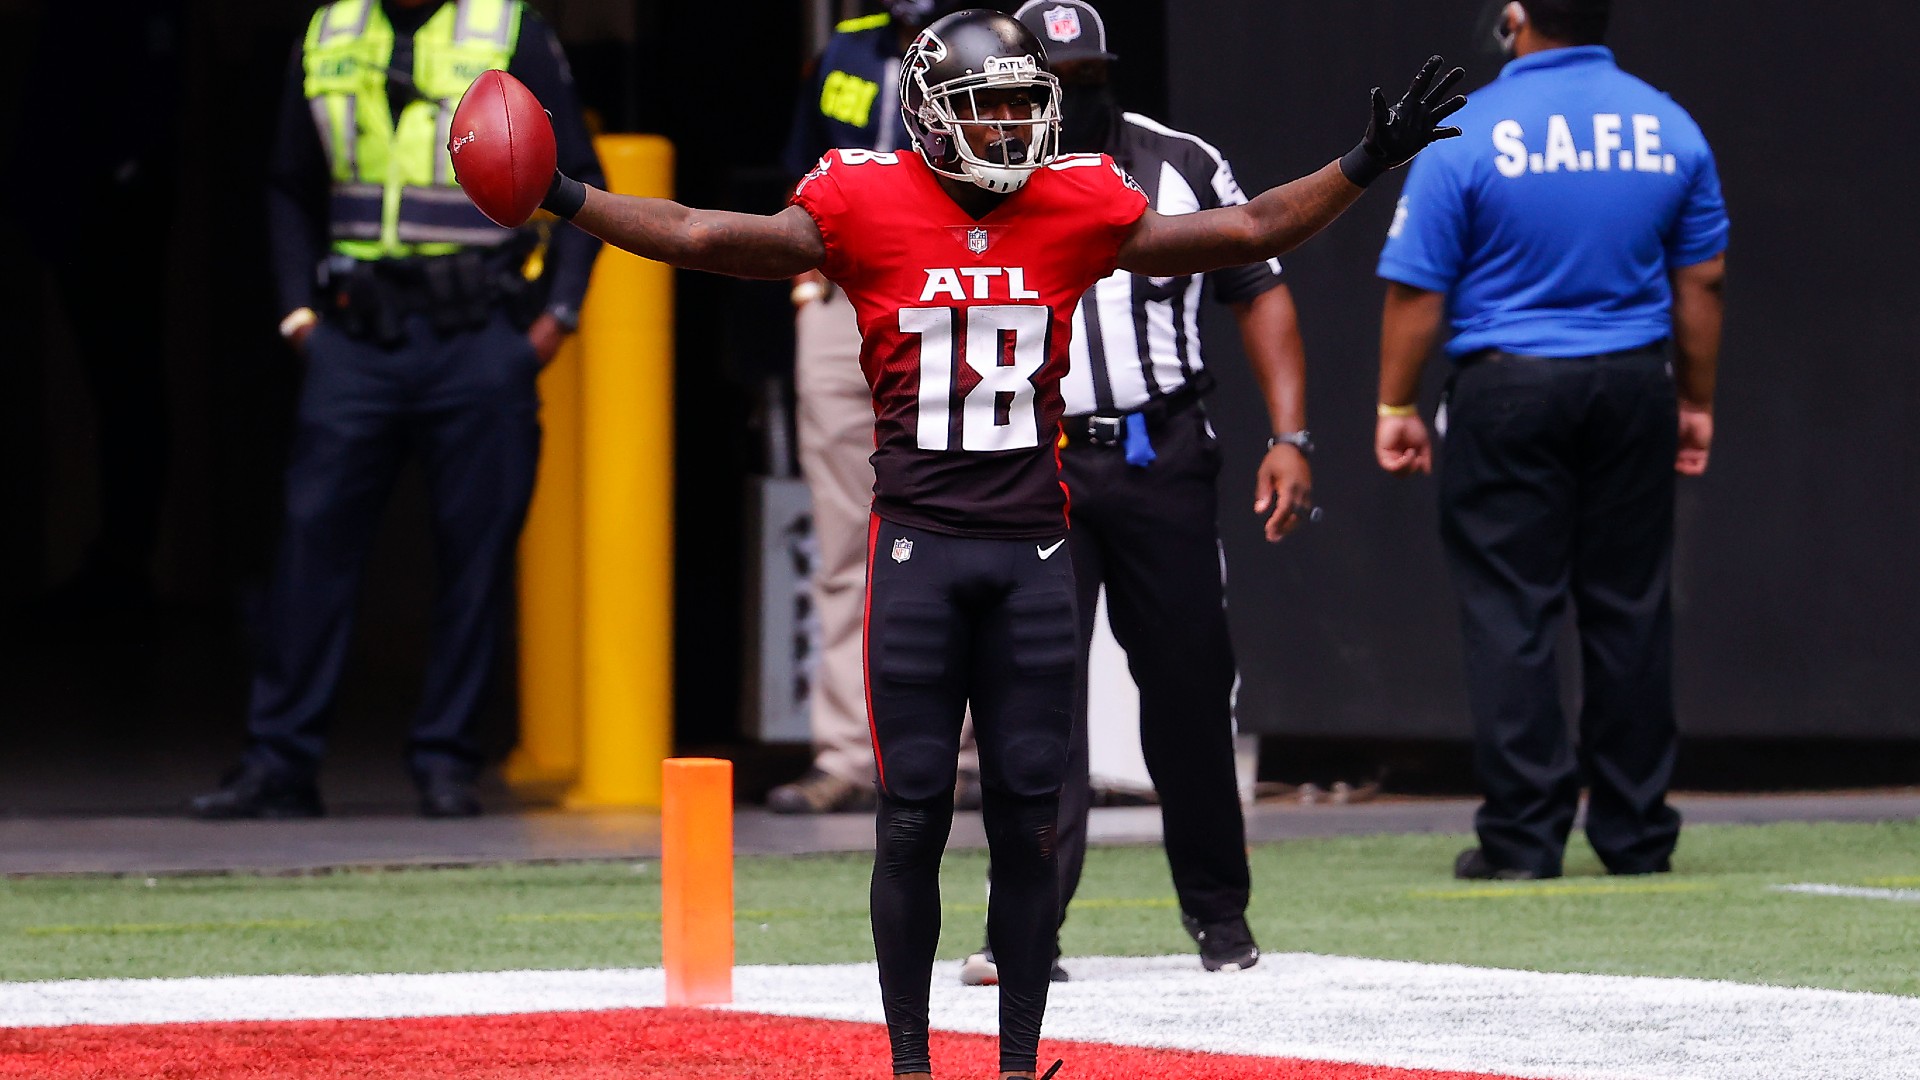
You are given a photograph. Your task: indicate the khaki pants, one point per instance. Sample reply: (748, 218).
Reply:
(836, 445)
(836, 440)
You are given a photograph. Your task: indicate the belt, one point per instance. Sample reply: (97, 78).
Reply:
(1489, 355)
(1110, 429)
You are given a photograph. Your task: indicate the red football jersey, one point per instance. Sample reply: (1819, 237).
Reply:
(964, 327)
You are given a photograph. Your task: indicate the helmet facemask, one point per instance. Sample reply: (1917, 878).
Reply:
(939, 115)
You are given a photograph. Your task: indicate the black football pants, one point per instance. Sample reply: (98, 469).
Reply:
(1150, 536)
(468, 406)
(952, 620)
(1557, 485)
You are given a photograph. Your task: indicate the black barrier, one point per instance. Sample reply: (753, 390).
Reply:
(1796, 584)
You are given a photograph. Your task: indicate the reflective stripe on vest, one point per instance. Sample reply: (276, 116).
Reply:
(393, 188)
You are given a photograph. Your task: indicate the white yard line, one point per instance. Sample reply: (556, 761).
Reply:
(1857, 892)
(1515, 1023)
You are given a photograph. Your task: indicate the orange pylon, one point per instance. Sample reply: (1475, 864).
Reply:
(696, 881)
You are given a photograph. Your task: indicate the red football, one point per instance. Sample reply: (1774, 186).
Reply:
(502, 146)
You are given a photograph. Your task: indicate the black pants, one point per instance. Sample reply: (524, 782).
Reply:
(1557, 485)
(1150, 536)
(949, 621)
(468, 406)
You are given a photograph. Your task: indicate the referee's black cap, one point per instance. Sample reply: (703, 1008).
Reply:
(1070, 29)
(1580, 21)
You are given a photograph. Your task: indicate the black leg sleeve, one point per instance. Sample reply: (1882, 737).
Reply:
(1076, 788)
(911, 837)
(1022, 916)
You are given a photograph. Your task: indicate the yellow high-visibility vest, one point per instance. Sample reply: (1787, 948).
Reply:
(393, 188)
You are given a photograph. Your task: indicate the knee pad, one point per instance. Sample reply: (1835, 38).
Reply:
(1034, 763)
(918, 768)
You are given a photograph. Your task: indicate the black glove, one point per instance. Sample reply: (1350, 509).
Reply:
(1395, 135)
(565, 196)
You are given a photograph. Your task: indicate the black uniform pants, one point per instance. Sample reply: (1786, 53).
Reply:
(1557, 485)
(467, 404)
(1150, 536)
(952, 620)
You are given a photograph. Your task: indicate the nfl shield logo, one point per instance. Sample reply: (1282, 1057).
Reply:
(1063, 23)
(902, 550)
(977, 241)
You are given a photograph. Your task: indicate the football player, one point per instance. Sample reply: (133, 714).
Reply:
(964, 259)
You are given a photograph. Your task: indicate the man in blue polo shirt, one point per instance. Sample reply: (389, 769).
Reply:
(1573, 246)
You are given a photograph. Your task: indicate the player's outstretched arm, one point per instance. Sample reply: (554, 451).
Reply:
(743, 245)
(1282, 218)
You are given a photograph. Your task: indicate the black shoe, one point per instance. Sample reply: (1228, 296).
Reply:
(251, 791)
(448, 797)
(1224, 946)
(1472, 865)
(1664, 866)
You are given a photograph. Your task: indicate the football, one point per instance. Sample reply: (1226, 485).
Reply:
(501, 142)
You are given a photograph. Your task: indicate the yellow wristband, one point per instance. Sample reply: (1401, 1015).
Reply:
(1399, 410)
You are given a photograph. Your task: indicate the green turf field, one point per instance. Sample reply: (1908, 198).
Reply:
(1386, 897)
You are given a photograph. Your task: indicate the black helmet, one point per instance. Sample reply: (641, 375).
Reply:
(970, 51)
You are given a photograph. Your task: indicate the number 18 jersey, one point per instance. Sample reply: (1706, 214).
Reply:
(964, 328)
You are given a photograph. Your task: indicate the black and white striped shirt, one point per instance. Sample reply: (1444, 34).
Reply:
(1135, 338)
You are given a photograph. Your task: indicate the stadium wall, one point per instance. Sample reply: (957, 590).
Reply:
(1795, 578)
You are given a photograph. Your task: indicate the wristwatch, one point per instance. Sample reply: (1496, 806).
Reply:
(1301, 440)
(297, 320)
(567, 316)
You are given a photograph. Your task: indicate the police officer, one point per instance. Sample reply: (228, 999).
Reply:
(1572, 244)
(1141, 464)
(850, 102)
(423, 331)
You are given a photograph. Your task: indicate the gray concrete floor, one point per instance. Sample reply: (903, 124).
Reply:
(173, 845)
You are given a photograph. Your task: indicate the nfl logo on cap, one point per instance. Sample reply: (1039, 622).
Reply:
(1070, 29)
(1063, 23)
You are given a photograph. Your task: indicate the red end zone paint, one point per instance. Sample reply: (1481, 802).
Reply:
(637, 1044)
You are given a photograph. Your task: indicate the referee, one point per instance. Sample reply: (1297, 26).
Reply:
(1573, 243)
(1141, 465)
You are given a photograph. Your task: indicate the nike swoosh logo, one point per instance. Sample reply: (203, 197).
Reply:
(1047, 552)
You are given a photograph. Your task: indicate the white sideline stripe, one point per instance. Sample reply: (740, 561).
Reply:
(1326, 1008)
(1911, 896)
(325, 997)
